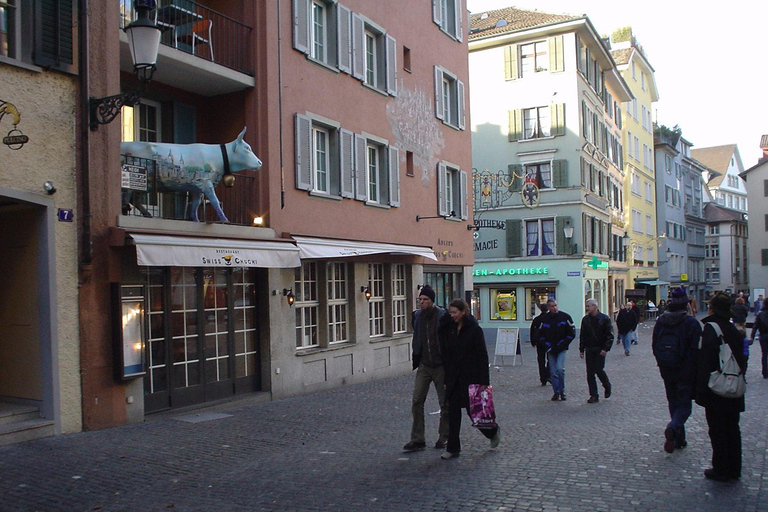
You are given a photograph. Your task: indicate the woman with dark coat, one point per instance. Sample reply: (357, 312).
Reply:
(465, 358)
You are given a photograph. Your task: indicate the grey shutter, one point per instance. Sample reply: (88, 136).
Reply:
(439, 92)
(344, 45)
(515, 125)
(556, 54)
(394, 176)
(516, 173)
(560, 240)
(361, 172)
(437, 13)
(55, 34)
(442, 198)
(514, 238)
(391, 48)
(303, 152)
(184, 123)
(301, 25)
(462, 104)
(358, 49)
(463, 199)
(557, 114)
(510, 62)
(383, 189)
(560, 173)
(347, 156)
(583, 172)
(459, 21)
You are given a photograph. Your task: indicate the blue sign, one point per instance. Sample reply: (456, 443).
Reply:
(65, 215)
(574, 273)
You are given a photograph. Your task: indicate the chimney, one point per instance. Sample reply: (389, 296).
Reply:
(764, 147)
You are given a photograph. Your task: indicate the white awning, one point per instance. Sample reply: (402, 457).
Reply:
(314, 248)
(655, 282)
(176, 251)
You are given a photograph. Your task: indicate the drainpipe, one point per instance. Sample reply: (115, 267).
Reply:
(86, 248)
(280, 104)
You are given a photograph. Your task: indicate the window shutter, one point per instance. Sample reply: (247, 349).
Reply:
(557, 113)
(438, 92)
(515, 125)
(559, 173)
(301, 25)
(560, 241)
(347, 158)
(514, 238)
(344, 46)
(459, 21)
(55, 35)
(384, 176)
(584, 179)
(510, 62)
(556, 54)
(358, 50)
(437, 13)
(516, 174)
(463, 199)
(394, 176)
(184, 123)
(462, 104)
(303, 152)
(763, 257)
(361, 172)
(442, 196)
(391, 66)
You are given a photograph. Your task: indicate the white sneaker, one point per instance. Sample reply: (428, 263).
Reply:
(496, 439)
(449, 455)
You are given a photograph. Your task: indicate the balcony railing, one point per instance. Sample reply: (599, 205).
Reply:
(142, 196)
(193, 28)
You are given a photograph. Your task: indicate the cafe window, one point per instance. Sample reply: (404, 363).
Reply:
(536, 296)
(504, 304)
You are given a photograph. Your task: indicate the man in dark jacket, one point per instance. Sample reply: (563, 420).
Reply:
(595, 340)
(722, 413)
(556, 333)
(680, 379)
(541, 349)
(626, 323)
(428, 363)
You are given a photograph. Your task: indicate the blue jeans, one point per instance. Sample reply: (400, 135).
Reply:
(557, 370)
(626, 339)
(679, 396)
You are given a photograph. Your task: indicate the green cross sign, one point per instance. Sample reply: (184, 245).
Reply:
(595, 263)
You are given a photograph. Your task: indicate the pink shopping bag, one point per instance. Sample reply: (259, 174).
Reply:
(481, 408)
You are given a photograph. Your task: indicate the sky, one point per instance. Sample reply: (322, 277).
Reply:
(710, 73)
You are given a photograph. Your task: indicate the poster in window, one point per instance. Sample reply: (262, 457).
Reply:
(506, 306)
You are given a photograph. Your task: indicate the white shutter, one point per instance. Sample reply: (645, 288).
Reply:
(442, 198)
(344, 46)
(438, 92)
(394, 176)
(463, 199)
(459, 21)
(301, 25)
(391, 65)
(361, 171)
(358, 47)
(437, 13)
(462, 103)
(347, 161)
(303, 152)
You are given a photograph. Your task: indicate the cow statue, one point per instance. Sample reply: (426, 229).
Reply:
(193, 168)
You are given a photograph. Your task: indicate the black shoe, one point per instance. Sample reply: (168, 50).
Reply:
(711, 474)
(543, 383)
(669, 444)
(608, 391)
(679, 445)
(562, 397)
(414, 447)
(556, 397)
(440, 444)
(593, 400)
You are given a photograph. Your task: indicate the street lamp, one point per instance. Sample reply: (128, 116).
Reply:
(144, 41)
(568, 232)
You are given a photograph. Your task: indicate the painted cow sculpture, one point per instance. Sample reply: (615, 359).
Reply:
(193, 168)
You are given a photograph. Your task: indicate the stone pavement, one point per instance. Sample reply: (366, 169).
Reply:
(340, 450)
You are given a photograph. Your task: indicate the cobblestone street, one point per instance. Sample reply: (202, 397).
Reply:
(341, 450)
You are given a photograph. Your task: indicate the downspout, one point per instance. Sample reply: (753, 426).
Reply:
(86, 248)
(280, 104)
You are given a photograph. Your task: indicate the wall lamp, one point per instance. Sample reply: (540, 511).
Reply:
(568, 232)
(49, 188)
(366, 292)
(288, 294)
(452, 214)
(144, 40)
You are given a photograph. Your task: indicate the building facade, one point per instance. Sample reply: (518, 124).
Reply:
(756, 179)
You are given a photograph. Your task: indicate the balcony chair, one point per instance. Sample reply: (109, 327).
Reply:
(194, 34)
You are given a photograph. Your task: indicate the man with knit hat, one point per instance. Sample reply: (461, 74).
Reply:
(675, 344)
(428, 363)
(722, 413)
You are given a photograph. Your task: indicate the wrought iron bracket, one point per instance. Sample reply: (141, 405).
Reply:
(105, 110)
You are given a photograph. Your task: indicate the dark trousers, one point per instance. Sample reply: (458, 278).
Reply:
(541, 358)
(725, 435)
(595, 365)
(454, 423)
(764, 349)
(679, 395)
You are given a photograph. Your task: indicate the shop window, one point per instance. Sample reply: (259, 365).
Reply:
(306, 305)
(399, 299)
(536, 296)
(503, 304)
(446, 286)
(376, 302)
(337, 303)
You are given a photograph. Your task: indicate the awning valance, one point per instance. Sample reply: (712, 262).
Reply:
(176, 251)
(652, 283)
(315, 248)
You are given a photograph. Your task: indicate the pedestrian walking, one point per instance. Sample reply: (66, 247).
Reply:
(541, 349)
(557, 332)
(675, 344)
(740, 313)
(595, 340)
(626, 324)
(722, 413)
(636, 311)
(760, 328)
(758, 304)
(466, 362)
(428, 363)
(693, 306)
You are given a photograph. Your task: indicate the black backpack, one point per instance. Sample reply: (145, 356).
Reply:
(669, 348)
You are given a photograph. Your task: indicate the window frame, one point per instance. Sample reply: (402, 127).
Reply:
(306, 306)
(450, 101)
(376, 303)
(337, 303)
(452, 181)
(540, 234)
(448, 15)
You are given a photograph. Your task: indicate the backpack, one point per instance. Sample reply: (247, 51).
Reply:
(728, 380)
(669, 348)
